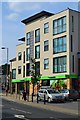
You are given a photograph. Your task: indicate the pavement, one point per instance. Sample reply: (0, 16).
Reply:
(18, 98)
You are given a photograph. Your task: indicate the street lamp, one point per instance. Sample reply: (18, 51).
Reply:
(7, 66)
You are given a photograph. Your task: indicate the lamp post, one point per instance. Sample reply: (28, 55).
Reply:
(6, 84)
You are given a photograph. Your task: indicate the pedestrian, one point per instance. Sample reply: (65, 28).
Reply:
(6, 91)
(24, 95)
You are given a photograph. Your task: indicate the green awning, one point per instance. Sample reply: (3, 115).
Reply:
(20, 80)
(15, 81)
(72, 76)
(58, 77)
(46, 78)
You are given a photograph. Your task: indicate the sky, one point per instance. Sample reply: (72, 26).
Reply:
(12, 13)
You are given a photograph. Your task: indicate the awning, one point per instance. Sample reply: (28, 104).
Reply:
(59, 77)
(65, 76)
(20, 80)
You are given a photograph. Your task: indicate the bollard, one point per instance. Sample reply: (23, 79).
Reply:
(44, 99)
(19, 96)
(37, 99)
(32, 97)
(16, 96)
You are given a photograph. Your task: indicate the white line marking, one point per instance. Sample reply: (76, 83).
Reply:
(1, 105)
(29, 113)
(19, 116)
(21, 111)
(18, 110)
(55, 118)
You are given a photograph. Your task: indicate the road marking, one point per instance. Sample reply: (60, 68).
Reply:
(1, 105)
(18, 110)
(55, 118)
(29, 113)
(21, 111)
(19, 116)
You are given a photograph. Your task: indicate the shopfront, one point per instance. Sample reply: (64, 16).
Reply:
(60, 81)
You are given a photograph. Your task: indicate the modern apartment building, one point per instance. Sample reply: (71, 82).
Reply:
(54, 41)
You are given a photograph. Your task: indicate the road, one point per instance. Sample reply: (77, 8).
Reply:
(11, 110)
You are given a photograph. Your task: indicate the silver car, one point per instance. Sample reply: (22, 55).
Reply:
(50, 95)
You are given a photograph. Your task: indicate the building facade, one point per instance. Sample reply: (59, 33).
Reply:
(54, 41)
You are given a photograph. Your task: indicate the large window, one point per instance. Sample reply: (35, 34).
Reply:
(13, 73)
(59, 25)
(19, 55)
(73, 63)
(28, 69)
(72, 23)
(24, 57)
(19, 69)
(46, 45)
(59, 64)
(24, 71)
(37, 66)
(28, 38)
(59, 45)
(71, 43)
(27, 54)
(37, 35)
(46, 63)
(46, 27)
(37, 52)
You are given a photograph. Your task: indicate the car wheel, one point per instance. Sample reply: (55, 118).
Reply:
(49, 100)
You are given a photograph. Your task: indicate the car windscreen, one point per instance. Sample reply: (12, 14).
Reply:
(52, 91)
(64, 91)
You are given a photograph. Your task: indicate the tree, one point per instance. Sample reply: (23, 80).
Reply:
(35, 73)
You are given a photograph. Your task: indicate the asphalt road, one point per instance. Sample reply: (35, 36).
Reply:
(13, 111)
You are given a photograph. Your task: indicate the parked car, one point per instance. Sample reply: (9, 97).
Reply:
(70, 94)
(50, 95)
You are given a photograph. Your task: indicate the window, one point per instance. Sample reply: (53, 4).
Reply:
(19, 69)
(46, 46)
(71, 43)
(46, 63)
(13, 73)
(23, 71)
(59, 45)
(46, 27)
(28, 69)
(24, 57)
(59, 64)
(28, 38)
(37, 52)
(37, 66)
(72, 23)
(59, 25)
(19, 55)
(27, 54)
(37, 35)
(73, 63)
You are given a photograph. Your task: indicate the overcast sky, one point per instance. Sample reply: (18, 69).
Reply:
(12, 15)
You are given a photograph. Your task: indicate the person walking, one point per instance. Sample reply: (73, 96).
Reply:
(24, 95)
